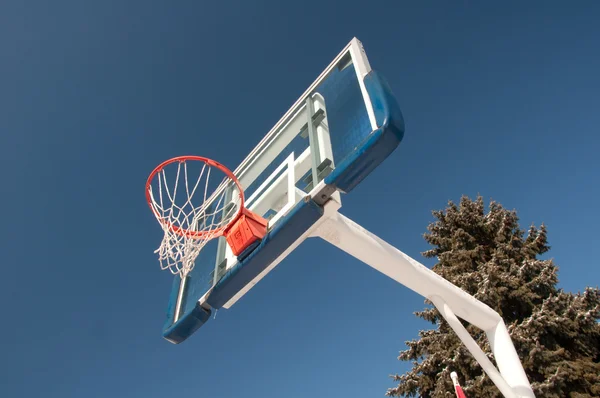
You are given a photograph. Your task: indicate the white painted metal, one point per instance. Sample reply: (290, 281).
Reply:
(473, 347)
(448, 299)
(315, 159)
(362, 67)
(322, 129)
(274, 192)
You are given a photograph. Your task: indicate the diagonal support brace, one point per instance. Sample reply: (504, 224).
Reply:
(451, 301)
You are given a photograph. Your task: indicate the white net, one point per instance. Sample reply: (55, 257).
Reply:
(191, 211)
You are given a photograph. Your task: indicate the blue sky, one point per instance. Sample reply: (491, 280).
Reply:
(500, 100)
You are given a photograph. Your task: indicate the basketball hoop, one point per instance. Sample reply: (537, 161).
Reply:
(192, 210)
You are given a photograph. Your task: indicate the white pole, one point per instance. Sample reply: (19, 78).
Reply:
(450, 300)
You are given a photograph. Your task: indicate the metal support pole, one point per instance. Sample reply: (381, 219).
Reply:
(313, 141)
(450, 300)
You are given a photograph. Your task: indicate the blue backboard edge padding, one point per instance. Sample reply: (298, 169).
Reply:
(304, 214)
(187, 324)
(379, 144)
(172, 303)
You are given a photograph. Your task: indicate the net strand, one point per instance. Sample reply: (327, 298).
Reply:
(188, 225)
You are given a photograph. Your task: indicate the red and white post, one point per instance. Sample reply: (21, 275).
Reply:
(457, 388)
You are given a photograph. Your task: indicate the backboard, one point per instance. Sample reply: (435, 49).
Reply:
(343, 126)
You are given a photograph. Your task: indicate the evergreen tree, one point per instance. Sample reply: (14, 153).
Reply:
(556, 334)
